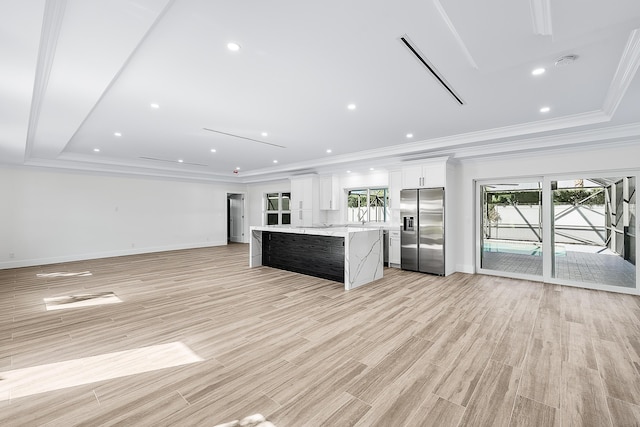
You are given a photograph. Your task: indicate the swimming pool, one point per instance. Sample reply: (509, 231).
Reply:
(523, 248)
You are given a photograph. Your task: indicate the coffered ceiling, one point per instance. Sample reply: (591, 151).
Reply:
(150, 86)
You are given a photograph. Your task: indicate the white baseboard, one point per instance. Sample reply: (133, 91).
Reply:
(106, 254)
(465, 268)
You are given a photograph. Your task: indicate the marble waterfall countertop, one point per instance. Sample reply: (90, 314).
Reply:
(363, 249)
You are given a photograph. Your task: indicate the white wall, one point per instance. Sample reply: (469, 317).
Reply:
(54, 216)
(584, 162)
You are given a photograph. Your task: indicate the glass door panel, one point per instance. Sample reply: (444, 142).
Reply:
(594, 230)
(511, 228)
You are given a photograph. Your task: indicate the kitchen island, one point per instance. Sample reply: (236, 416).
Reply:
(352, 255)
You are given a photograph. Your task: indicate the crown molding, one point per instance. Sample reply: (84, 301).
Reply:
(613, 136)
(448, 144)
(129, 170)
(541, 17)
(626, 71)
(621, 135)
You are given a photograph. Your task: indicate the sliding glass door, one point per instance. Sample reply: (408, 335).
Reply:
(571, 230)
(511, 237)
(594, 225)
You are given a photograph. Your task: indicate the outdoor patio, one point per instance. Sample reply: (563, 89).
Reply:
(577, 266)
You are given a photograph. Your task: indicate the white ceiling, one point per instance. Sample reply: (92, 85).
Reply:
(75, 72)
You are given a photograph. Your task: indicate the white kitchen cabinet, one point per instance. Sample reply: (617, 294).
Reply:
(394, 248)
(427, 175)
(329, 193)
(395, 185)
(304, 205)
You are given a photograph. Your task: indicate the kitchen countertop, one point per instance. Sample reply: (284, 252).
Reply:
(363, 249)
(338, 228)
(320, 230)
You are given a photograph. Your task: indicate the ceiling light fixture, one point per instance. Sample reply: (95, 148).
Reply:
(351, 106)
(97, 150)
(180, 160)
(213, 150)
(538, 71)
(329, 151)
(154, 105)
(237, 168)
(265, 134)
(233, 47)
(348, 171)
(275, 161)
(545, 109)
(409, 135)
(117, 134)
(370, 169)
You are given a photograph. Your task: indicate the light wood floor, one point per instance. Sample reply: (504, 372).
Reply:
(408, 350)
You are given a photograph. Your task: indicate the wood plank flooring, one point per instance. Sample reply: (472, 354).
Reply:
(407, 350)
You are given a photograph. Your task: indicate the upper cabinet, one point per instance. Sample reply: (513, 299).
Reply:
(302, 193)
(329, 193)
(426, 175)
(304, 201)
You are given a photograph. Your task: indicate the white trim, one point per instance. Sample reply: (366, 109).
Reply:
(619, 135)
(626, 71)
(448, 144)
(106, 254)
(465, 268)
(51, 26)
(541, 17)
(455, 34)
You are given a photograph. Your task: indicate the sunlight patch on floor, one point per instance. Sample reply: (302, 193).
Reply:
(55, 376)
(81, 300)
(65, 274)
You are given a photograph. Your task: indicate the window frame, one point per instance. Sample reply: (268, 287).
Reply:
(280, 212)
(386, 207)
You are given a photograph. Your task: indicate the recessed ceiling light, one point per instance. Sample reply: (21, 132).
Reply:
(351, 106)
(213, 150)
(348, 171)
(180, 160)
(117, 134)
(275, 161)
(370, 169)
(265, 134)
(233, 47)
(545, 109)
(329, 150)
(237, 168)
(154, 105)
(97, 150)
(538, 71)
(409, 135)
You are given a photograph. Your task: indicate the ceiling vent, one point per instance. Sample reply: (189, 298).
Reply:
(155, 159)
(243, 137)
(565, 60)
(434, 72)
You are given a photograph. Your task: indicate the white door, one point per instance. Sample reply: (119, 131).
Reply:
(236, 218)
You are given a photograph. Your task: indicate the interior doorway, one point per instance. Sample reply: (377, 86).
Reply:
(235, 218)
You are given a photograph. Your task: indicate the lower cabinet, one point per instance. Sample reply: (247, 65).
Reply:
(394, 248)
(319, 256)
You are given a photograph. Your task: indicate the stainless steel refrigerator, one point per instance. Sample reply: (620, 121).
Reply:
(422, 230)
